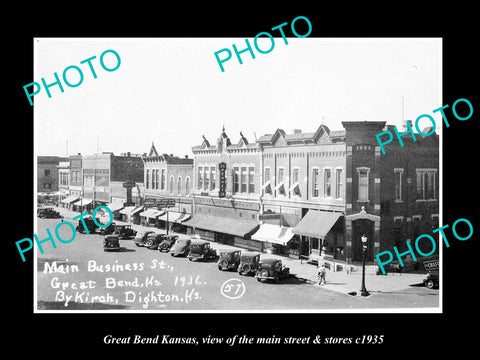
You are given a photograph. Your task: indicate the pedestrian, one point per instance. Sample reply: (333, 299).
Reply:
(321, 275)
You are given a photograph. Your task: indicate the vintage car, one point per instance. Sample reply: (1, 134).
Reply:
(201, 250)
(181, 247)
(126, 231)
(432, 269)
(272, 269)
(141, 237)
(107, 230)
(229, 260)
(48, 213)
(153, 240)
(111, 242)
(167, 242)
(89, 224)
(249, 262)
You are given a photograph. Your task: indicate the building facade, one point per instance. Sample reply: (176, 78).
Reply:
(47, 173)
(167, 177)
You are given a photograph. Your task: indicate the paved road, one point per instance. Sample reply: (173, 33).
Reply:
(145, 279)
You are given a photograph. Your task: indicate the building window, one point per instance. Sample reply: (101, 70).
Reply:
(157, 180)
(280, 181)
(206, 178)
(363, 174)
(315, 184)
(47, 172)
(179, 185)
(171, 184)
(398, 175)
(147, 178)
(187, 186)
(327, 182)
(200, 178)
(47, 185)
(243, 179)
(162, 180)
(251, 184)
(295, 175)
(339, 183)
(267, 184)
(295, 188)
(426, 184)
(213, 178)
(236, 179)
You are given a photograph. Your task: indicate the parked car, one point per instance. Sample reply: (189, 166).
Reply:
(48, 213)
(107, 230)
(89, 224)
(111, 242)
(272, 269)
(167, 243)
(153, 240)
(431, 267)
(126, 231)
(201, 250)
(229, 260)
(141, 237)
(181, 247)
(249, 262)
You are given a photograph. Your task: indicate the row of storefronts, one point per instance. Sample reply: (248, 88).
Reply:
(304, 195)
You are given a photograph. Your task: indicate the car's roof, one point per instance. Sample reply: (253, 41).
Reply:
(250, 253)
(229, 251)
(199, 242)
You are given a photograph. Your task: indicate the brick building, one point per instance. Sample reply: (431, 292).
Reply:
(227, 190)
(47, 173)
(167, 177)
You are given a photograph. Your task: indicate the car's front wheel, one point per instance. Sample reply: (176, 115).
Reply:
(429, 284)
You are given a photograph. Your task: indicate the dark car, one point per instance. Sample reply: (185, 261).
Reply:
(229, 260)
(107, 230)
(181, 247)
(272, 269)
(126, 231)
(431, 267)
(153, 240)
(89, 224)
(141, 237)
(167, 242)
(48, 213)
(201, 250)
(111, 242)
(249, 262)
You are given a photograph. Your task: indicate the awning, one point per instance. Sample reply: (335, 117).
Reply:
(279, 185)
(127, 210)
(230, 226)
(175, 216)
(137, 209)
(70, 199)
(151, 213)
(114, 206)
(274, 234)
(293, 186)
(266, 184)
(83, 202)
(316, 223)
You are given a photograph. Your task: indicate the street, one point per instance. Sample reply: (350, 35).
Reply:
(80, 275)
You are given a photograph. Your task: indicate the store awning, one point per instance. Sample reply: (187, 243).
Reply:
(70, 199)
(316, 223)
(114, 206)
(230, 226)
(274, 234)
(83, 202)
(175, 216)
(151, 213)
(127, 210)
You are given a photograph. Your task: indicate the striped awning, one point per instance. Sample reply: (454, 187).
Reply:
(274, 234)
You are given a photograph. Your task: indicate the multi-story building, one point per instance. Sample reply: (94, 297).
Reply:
(47, 173)
(63, 179)
(227, 190)
(167, 177)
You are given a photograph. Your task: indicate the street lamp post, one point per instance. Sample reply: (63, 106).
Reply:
(363, 290)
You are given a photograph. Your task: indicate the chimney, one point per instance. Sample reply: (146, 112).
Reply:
(128, 153)
(296, 131)
(405, 128)
(171, 155)
(186, 156)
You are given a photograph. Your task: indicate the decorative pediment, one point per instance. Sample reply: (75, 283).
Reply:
(153, 151)
(278, 138)
(322, 135)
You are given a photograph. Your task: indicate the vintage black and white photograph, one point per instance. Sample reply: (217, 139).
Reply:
(262, 174)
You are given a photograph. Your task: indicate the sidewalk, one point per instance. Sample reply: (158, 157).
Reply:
(335, 281)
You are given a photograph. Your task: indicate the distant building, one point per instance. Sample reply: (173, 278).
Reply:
(47, 173)
(63, 179)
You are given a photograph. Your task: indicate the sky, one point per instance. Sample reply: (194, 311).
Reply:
(171, 91)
